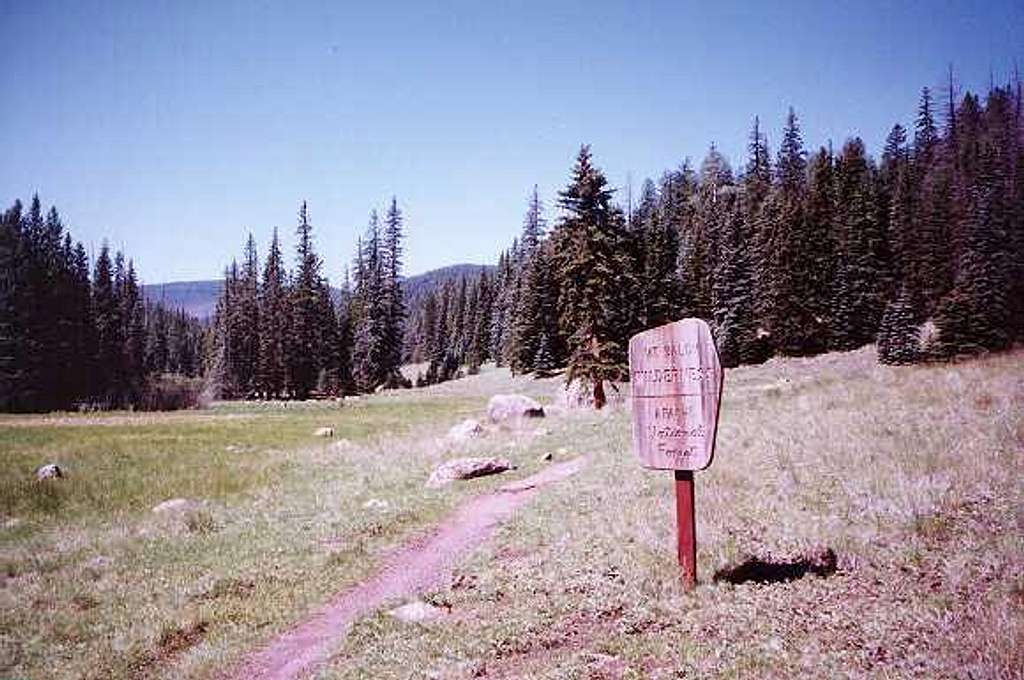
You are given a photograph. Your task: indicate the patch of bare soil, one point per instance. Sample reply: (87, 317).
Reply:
(420, 565)
(172, 643)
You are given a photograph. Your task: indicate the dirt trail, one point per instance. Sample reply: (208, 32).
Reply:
(418, 566)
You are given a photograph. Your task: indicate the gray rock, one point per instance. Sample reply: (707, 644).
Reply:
(174, 506)
(467, 468)
(324, 432)
(49, 471)
(467, 429)
(417, 612)
(505, 407)
(375, 504)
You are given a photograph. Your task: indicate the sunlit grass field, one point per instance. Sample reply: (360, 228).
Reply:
(911, 475)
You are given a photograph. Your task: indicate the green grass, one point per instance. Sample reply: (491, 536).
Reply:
(912, 475)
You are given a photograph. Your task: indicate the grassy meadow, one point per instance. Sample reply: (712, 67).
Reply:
(911, 475)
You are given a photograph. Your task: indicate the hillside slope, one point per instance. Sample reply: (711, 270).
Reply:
(199, 298)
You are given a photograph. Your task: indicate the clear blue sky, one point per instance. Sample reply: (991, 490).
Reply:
(173, 128)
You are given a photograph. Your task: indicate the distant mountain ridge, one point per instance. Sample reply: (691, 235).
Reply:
(199, 298)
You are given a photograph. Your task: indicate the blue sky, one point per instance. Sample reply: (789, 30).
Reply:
(174, 128)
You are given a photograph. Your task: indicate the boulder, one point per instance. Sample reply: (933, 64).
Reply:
(467, 468)
(324, 432)
(49, 471)
(467, 429)
(504, 407)
(174, 506)
(417, 612)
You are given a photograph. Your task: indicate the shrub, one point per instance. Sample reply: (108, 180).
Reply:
(169, 392)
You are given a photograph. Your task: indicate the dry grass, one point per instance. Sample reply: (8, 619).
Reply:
(910, 475)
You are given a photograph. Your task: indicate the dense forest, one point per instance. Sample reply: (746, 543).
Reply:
(281, 334)
(921, 251)
(70, 338)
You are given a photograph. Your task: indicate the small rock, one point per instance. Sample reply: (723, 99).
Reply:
(504, 407)
(375, 504)
(467, 429)
(542, 432)
(417, 612)
(562, 451)
(547, 457)
(467, 468)
(324, 432)
(174, 505)
(49, 471)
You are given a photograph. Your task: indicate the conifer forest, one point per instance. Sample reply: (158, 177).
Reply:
(801, 250)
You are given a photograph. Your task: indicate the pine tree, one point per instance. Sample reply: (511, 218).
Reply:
(898, 334)
(133, 332)
(588, 261)
(792, 299)
(346, 379)
(11, 285)
(274, 324)
(106, 317)
(304, 346)
(368, 357)
(247, 321)
(394, 301)
(527, 319)
(862, 270)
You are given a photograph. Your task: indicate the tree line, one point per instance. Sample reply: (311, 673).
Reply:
(74, 338)
(809, 251)
(284, 334)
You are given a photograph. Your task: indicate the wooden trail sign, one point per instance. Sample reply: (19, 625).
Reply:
(676, 382)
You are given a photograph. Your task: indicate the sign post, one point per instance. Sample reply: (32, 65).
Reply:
(676, 381)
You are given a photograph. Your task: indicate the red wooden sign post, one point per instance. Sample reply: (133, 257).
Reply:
(676, 381)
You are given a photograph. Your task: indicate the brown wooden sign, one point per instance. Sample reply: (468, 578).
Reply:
(676, 380)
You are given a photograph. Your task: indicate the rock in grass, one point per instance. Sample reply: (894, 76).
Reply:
(324, 432)
(417, 612)
(504, 407)
(174, 506)
(467, 429)
(467, 468)
(49, 471)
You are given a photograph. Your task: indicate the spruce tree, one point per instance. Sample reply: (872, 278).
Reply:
(862, 269)
(394, 300)
(304, 346)
(274, 324)
(527, 319)
(247, 313)
(588, 261)
(106, 317)
(898, 332)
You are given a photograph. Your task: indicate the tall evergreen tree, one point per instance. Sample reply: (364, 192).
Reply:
(394, 300)
(274, 324)
(306, 308)
(588, 261)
